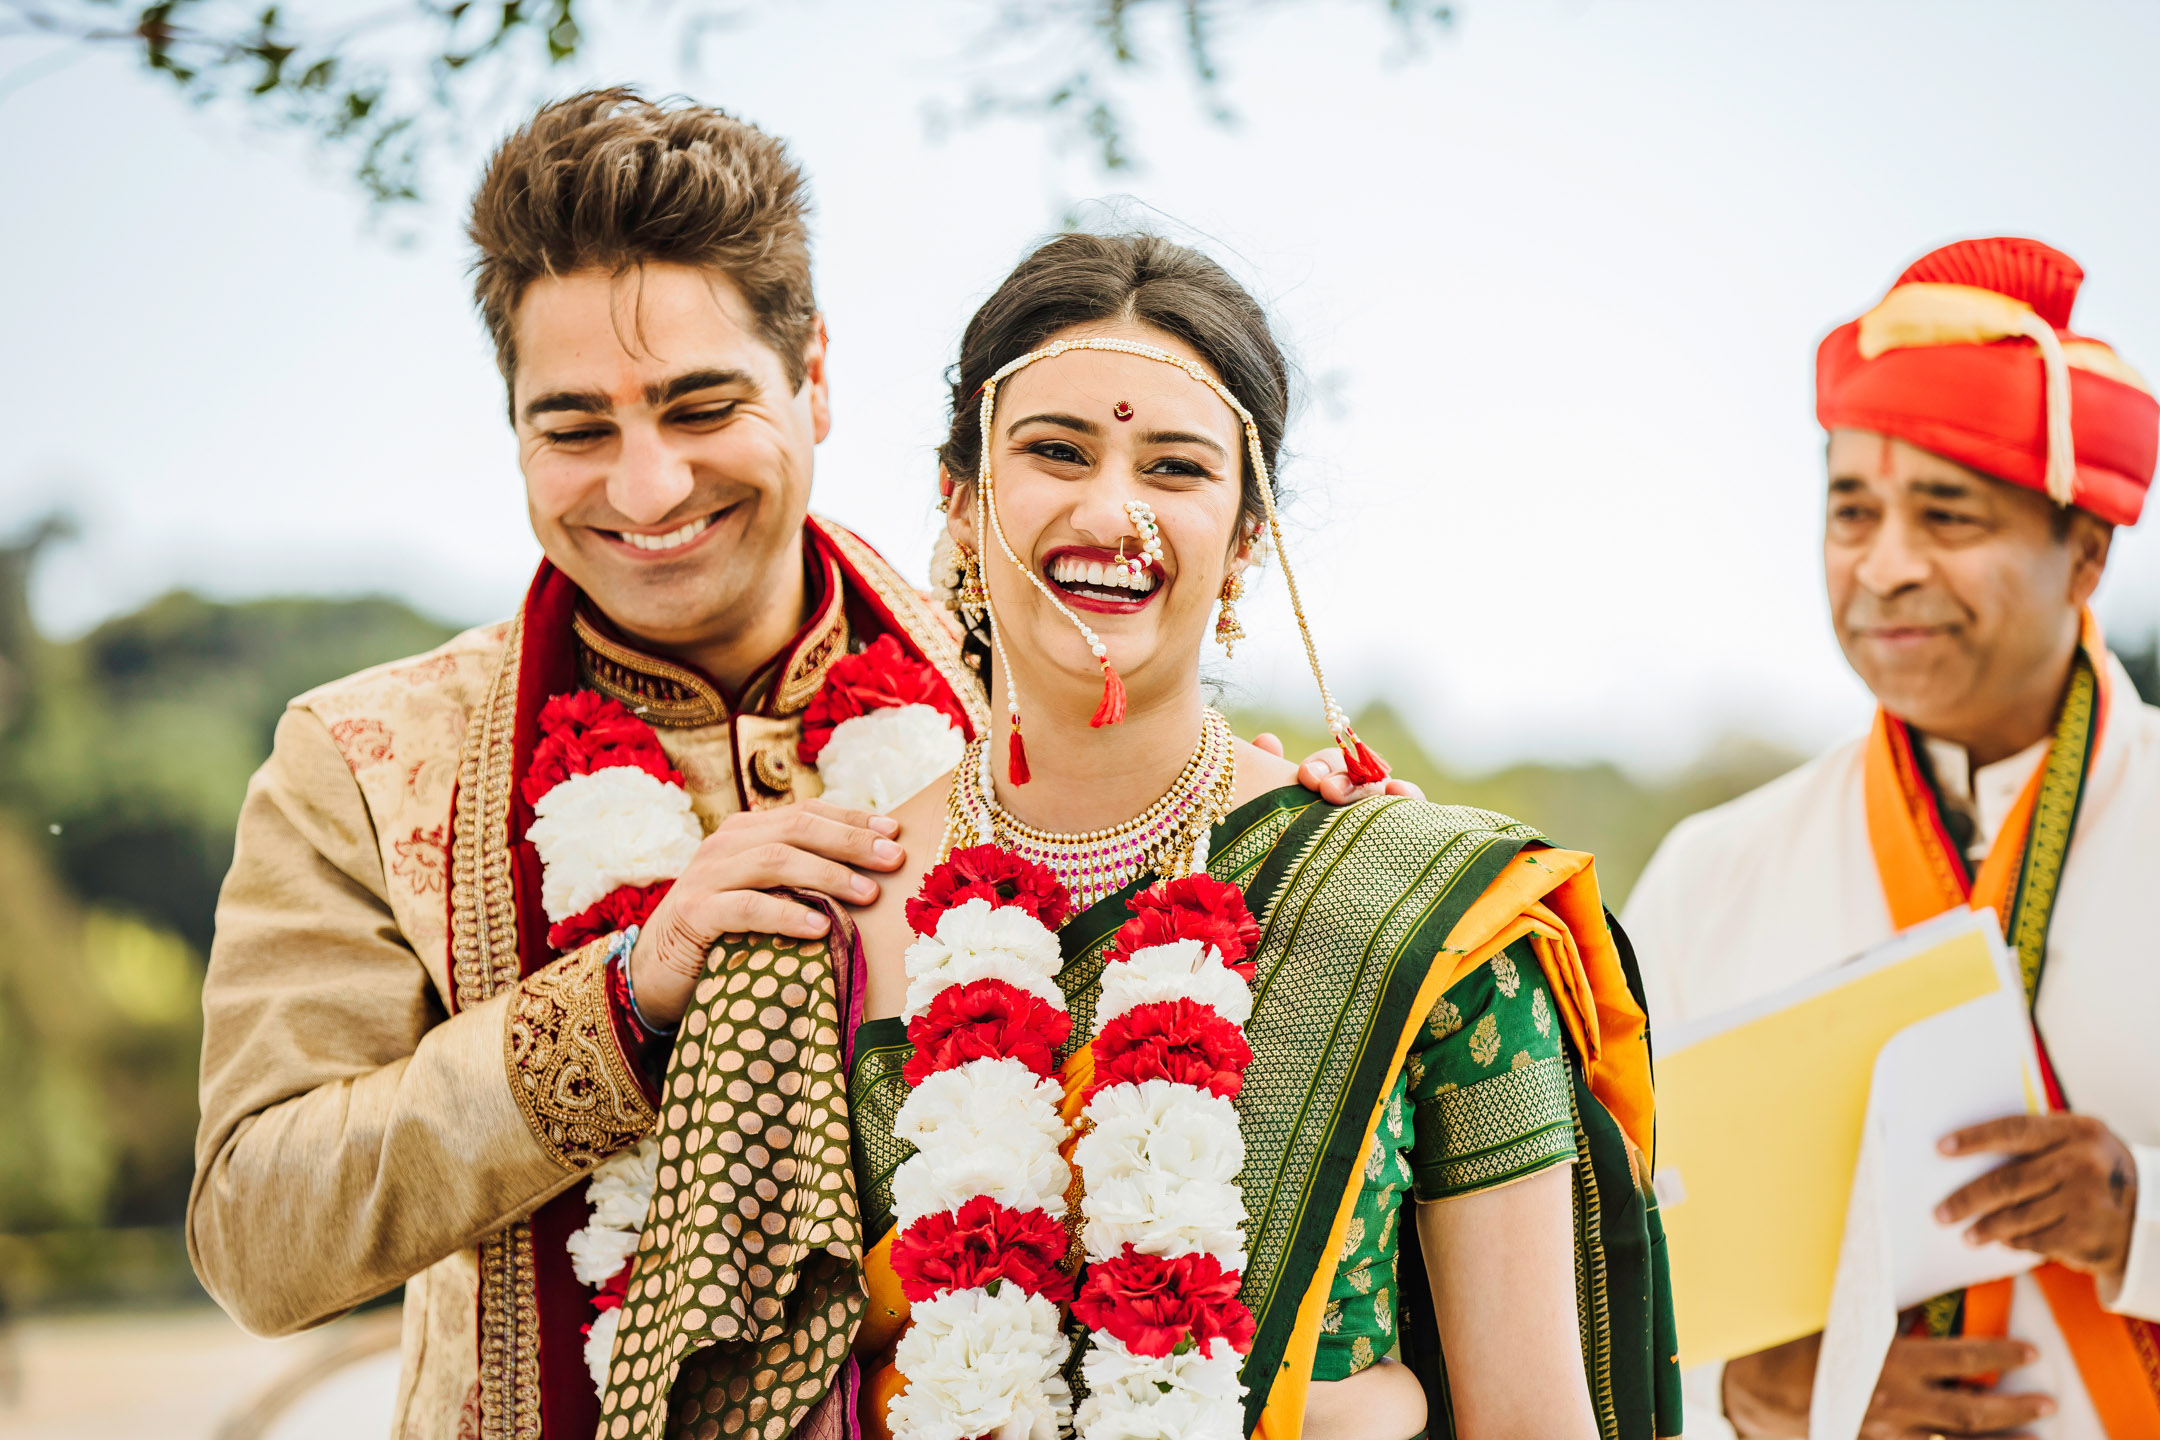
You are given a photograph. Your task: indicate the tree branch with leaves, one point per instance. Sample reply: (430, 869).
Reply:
(393, 86)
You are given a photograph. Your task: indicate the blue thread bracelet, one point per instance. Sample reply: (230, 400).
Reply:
(619, 954)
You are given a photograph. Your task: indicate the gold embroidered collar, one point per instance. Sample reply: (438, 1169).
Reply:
(677, 696)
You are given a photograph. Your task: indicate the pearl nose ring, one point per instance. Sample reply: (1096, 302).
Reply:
(1143, 519)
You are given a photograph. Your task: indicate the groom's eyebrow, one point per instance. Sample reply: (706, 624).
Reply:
(690, 382)
(576, 402)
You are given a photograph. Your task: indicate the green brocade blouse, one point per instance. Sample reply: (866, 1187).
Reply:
(1484, 1100)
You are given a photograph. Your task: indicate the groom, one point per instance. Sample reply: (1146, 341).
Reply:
(408, 1073)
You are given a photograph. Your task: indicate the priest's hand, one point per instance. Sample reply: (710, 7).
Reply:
(724, 891)
(2069, 1191)
(1323, 773)
(1926, 1390)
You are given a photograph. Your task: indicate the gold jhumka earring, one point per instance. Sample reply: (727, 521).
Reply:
(1227, 629)
(970, 596)
(1363, 767)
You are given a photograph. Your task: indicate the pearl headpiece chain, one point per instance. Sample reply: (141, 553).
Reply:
(1364, 766)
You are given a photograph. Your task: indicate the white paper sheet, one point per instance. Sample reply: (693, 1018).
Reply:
(1971, 1063)
(1966, 1065)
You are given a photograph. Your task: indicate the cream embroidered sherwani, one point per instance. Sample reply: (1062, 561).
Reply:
(384, 1099)
(1781, 884)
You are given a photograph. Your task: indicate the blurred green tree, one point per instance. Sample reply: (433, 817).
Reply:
(123, 759)
(391, 85)
(1598, 807)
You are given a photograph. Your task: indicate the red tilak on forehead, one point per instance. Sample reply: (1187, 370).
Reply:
(1887, 462)
(1122, 410)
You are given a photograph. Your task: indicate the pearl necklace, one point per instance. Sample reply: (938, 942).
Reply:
(1170, 837)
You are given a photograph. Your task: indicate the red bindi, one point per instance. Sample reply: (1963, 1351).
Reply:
(1122, 410)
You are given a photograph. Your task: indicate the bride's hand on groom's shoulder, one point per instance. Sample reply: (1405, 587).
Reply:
(1323, 773)
(726, 891)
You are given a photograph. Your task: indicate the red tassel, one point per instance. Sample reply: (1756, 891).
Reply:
(1112, 709)
(1016, 769)
(1364, 767)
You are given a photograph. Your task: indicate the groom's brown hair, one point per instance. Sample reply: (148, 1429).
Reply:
(608, 180)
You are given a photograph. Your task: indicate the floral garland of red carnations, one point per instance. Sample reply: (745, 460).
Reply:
(613, 824)
(980, 1205)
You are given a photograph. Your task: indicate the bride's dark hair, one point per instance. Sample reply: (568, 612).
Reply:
(1081, 279)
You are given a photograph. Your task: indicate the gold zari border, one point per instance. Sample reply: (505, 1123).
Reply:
(2054, 812)
(483, 961)
(483, 912)
(804, 674)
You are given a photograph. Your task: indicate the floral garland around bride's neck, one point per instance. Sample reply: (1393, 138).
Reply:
(614, 827)
(981, 1205)
(1162, 1215)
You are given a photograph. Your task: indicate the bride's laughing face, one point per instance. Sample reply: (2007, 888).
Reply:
(1074, 440)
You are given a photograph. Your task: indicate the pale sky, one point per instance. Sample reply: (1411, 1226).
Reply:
(1561, 278)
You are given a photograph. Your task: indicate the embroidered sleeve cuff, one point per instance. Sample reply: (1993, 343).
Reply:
(579, 1091)
(2140, 1291)
(1478, 1137)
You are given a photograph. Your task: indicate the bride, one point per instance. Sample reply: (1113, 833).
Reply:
(1179, 1102)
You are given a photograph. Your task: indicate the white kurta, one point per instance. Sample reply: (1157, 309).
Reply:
(1780, 884)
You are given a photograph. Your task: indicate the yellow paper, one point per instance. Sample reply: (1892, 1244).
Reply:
(1760, 1116)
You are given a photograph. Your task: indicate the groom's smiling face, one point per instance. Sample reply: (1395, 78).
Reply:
(666, 451)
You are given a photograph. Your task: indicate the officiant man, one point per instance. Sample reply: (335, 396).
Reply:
(411, 1063)
(1980, 456)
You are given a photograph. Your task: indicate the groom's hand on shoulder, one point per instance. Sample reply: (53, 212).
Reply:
(1323, 774)
(726, 891)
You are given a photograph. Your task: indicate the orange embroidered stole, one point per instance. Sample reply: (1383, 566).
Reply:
(1923, 874)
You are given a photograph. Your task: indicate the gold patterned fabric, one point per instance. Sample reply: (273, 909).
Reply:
(572, 1081)
(748, 1274)
(674, 696)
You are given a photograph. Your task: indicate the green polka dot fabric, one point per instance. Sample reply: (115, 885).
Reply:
(1484, 1099)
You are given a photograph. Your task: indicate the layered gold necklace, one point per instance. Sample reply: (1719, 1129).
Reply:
(1169, 838)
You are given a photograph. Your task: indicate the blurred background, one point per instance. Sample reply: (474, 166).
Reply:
(1553, 270)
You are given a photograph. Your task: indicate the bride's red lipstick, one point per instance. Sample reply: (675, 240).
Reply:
(1099, 599)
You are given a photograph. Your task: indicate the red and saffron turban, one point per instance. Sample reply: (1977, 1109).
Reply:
(1971, 356)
